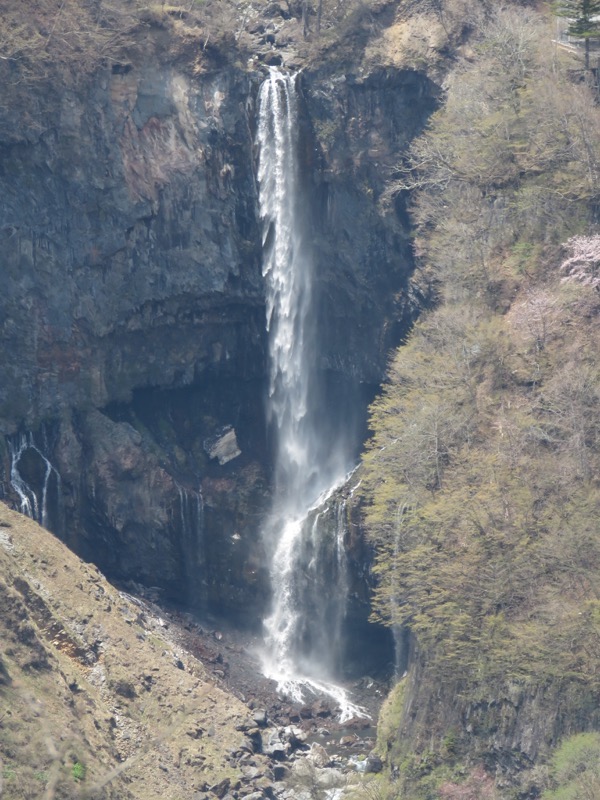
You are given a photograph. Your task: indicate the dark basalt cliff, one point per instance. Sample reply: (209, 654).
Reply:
(132, 265)
(132, 311)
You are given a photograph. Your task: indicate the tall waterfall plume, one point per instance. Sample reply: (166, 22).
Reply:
(309, 467)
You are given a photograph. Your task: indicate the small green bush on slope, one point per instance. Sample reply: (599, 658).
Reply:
(481, 490)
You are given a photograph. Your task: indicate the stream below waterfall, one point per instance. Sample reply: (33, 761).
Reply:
(294, 739)
(233, 657)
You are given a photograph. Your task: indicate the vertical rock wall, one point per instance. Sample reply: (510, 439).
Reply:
(132, 315)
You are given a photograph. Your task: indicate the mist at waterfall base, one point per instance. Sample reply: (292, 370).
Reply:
(304, 533)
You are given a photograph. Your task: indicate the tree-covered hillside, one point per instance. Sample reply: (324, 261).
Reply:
(481, 478)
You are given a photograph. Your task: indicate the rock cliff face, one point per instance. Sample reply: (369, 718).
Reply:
(133, 342)
(362, 125)
(132, 265)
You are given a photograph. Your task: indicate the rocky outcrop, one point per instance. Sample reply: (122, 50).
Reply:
(500, 738)
(133, 312)
(363, 120)
(132, 265)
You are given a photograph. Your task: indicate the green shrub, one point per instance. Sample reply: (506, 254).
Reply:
(576, 769)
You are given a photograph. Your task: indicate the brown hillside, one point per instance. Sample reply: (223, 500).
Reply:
(95, 701)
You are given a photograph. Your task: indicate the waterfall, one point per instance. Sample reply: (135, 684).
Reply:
(191, 522)
(309, 467)
(29, 502)
(27, 497)
(399, 632)
(326, 566)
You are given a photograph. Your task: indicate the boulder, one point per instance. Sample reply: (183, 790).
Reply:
(221, 789)
(276, 745)
(374, 763)
(260, 717)
(318, 755)
(224, 447)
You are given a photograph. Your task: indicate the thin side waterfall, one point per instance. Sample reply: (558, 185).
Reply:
(30, 503)
(191, 523)
(398, 631)
(309, 467)
(326, 566)
(27, 497)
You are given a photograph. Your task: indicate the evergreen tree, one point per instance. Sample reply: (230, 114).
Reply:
(584, 20)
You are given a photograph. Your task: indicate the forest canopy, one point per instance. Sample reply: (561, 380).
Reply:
(480, 486)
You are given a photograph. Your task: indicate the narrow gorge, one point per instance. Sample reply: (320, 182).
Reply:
(136, 358)
(298, 352)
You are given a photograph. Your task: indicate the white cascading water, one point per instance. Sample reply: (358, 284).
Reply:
(308, 467)
(30, 504)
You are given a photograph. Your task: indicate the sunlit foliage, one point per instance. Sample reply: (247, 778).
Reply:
(481, 478)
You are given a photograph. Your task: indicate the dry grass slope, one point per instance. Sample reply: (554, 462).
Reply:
(92, 700)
